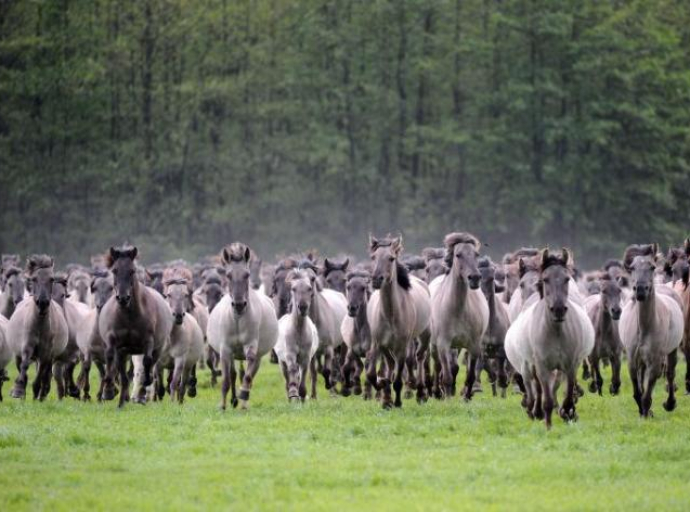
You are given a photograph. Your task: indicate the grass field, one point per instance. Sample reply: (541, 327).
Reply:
(340, 454)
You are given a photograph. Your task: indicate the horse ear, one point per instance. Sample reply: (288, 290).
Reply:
(327, 264)
(225, 255)
(373, 242)
(686, 246)
(132, 253)
(544, 257)
(346, 264)
(655, 250)
(247, 254)
(397, 245)
(565, 255)
(522, 269)
(114, 253)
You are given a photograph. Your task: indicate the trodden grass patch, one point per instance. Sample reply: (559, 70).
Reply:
(340, 454)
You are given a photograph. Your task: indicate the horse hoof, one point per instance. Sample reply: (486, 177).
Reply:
(386, 405)
(592, 387)
(408, 394)
(234, 402)
(18, 393)
(192, 392)
(357, 391)
(346, 392)
(669, 405)
(108, 394)
(244, 405)
(294, 399)
(86, 397)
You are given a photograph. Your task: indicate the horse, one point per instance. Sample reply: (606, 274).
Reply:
(5, 352)
(493, 349)
(559, 334)
(416, 266)
(679, 270)
(14, 288)
(298, 338)
(75, 316)
(433, 256)
(136, 320)
(255, 264)
(604, 311)
(186, 343)
(89, 340)
(335, 274)
(37, 330)
(356, 332)
(327, 310)
(280, 292)
(459, 311)
(398, 313)
(79, 287)
(651, 329)
(242, 326)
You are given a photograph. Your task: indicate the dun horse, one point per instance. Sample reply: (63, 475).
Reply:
(242, 326)
(651, 329)
(37, 330)
(398, 313)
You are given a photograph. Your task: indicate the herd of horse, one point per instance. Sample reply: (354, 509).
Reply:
(392, 327)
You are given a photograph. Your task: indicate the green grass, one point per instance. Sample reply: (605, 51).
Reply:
(339, 453)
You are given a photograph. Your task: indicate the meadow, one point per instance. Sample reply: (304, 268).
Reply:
(340, 453)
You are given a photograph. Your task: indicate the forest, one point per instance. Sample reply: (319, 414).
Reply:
(183, 125)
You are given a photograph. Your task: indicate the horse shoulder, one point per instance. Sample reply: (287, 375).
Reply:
(347, 329)
(674, 322)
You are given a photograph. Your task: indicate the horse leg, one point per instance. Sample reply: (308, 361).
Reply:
(567, 411)
(502, 375)
(445, 357)
(211, 358)
(370, 363)
(83, 379)
(227, 366)
(45, 378)
(470, 377)
(124, 378)
(303, 367)
(585, 370)
(671, 361)
(421, 358)
(685, 347)
(253, 363)
(347, 370)
(544, 378)
(192, 382)
(454, 369)
(400, 363)
(597, 383)
(538, 397)
(109, 379)
(313, 372)
(59, 374)
(293, 378)
(176, 380)
(357, 384)
(635, 379)
(101, 373)
(615, 386)
(327, 366)
(385, 382)
(19, 390)
(71, 387)
(410, 361)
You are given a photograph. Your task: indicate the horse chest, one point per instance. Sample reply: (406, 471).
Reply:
(130, 338)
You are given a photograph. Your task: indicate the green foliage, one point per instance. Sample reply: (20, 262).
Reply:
(184, 125)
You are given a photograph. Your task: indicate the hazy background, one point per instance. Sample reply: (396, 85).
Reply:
(183, 125)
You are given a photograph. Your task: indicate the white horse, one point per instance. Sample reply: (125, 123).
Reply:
(298, 338)
(242, 326)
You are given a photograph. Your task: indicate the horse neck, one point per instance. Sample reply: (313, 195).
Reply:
(491, 301)
(361, 323)
(646, 311)
(460, 288)
(39, 323)
(316, 308)
(136, 306)
(392, 295)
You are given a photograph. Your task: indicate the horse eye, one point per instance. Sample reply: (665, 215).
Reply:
(391, 258)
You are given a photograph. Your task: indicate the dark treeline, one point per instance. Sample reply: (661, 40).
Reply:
(183, 125)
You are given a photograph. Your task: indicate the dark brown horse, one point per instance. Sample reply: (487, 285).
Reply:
(135, 320)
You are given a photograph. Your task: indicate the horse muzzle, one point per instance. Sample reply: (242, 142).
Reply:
(124, 301)
(352, 311)
(303, 309)
(43, 305)
(179, 318)
(239, 307)
(377, 282)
